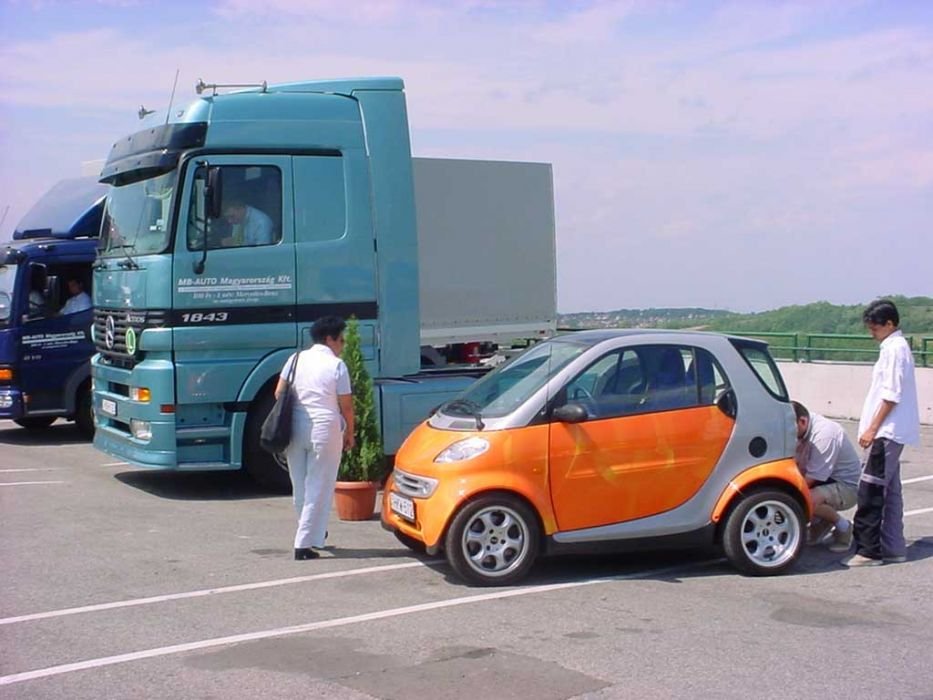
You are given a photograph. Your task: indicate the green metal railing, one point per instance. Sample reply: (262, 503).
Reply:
(838, 347)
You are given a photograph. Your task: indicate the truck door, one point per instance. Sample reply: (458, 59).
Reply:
(335, 244)
(241, 304)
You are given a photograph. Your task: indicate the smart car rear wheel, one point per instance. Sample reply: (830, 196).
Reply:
(763, 534)
(493, 541)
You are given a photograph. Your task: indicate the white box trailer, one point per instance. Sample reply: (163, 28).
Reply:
(486, 250)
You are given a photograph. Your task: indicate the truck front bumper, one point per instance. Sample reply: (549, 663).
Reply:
(11, 403)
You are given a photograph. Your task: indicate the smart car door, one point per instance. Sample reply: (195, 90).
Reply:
(652, 436)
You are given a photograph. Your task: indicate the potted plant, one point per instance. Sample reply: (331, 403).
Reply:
(362, 468)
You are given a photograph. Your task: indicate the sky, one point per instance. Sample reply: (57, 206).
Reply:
(730, 155)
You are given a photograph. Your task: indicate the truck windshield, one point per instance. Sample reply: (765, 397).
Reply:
(502, 391)
(7, 277)
(136, 218)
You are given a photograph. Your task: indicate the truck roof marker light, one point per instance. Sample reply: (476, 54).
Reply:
(167, 408)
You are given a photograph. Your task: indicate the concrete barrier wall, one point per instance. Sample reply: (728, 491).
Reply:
(838, 389)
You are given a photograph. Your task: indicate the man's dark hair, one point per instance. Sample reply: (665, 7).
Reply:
(327, 327)
(880, 311)
(800, 410)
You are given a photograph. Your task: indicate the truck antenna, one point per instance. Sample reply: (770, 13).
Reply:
(171, 99)
(201, 86)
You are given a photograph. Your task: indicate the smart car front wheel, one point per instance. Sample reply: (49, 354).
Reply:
(493, 541)
(763, 534)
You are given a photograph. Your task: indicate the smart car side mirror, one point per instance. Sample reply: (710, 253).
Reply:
(570, 412)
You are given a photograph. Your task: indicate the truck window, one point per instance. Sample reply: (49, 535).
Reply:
(321, 211)
(251, 209)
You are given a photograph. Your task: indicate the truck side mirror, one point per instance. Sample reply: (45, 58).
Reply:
(570, 412)
(214, 193)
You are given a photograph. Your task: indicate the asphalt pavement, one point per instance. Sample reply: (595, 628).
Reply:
(123, 583)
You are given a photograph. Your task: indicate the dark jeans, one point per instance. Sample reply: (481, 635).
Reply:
(879, 518)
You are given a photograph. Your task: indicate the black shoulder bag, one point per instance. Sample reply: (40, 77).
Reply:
(276, 431)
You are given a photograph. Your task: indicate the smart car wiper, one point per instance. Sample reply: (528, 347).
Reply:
(471, 408)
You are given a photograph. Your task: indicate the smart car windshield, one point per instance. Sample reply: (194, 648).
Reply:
(506, 388)
(136, 218)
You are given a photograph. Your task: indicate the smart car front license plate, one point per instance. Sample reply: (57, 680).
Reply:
(403, 506)
(109, 407)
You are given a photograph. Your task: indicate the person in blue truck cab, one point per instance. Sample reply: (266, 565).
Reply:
(248, 225)
(79, 300)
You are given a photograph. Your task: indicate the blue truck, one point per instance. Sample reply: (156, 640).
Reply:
(233, 224)
(45, 350)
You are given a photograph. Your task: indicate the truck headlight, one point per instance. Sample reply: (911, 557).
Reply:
(141, 429)
(467, 448)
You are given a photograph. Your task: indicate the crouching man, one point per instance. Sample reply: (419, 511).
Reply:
(831, 466)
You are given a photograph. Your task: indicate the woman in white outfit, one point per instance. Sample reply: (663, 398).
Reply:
(322, 426)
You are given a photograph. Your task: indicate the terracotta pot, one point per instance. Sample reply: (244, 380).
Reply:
(355, 500)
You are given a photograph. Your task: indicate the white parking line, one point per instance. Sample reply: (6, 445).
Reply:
(31, 469)
(916, 479)
(115, 464)
(30, 483)
(207, 591)
(918, 511)
(337, 622)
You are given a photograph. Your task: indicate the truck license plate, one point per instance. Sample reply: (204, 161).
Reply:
(109, 407)
(403, 506)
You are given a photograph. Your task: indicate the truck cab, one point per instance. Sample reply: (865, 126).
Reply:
(45, 341)
(228, 230)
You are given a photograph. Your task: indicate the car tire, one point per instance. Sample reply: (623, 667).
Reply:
(764, 533)
(267, 470)
(35, 422)
(84, 411)
(493, 540)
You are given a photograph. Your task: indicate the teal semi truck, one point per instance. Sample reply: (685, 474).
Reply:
(233, 224)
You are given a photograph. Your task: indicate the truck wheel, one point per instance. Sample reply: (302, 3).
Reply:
(268, 471)
(35, 422)
(763, 534)
(84, 412)
(493, 541)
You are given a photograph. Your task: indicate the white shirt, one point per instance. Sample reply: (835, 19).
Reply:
(320, 378)
(892, 379)
(79, 302)
(826, 453)
(257, 227)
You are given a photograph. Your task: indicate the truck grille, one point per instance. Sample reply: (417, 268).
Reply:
(111, 325)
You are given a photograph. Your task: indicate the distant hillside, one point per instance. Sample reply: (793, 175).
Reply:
(818, 317)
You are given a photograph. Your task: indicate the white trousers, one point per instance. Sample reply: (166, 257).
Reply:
(312, 467)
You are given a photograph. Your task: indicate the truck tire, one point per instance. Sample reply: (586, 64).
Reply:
(84, 411)
(35, 422)
(270, 472)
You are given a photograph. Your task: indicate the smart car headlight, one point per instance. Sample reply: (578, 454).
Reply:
(463, 449)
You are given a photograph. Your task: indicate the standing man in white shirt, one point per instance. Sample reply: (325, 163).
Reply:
(890, 419)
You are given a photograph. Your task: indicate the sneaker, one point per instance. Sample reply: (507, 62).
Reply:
(899, 559)
(841, 540)
(817, 532)
(861, 560)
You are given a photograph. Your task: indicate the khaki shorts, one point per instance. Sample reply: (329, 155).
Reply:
(837, 495)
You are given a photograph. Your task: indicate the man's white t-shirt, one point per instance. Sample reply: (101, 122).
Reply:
(79, 302)
(892, 379)
(320, 377)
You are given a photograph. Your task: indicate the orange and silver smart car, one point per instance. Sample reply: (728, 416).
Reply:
(606, 439)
